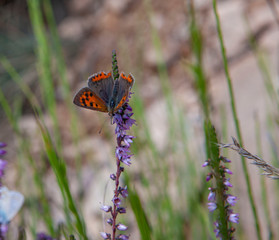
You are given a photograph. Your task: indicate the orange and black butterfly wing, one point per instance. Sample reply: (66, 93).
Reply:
(102, 84)
(125, 85)
(86, 98)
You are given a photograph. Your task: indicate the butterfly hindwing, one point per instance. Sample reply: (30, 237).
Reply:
(86, 98)
(102, 84)
(10, 204)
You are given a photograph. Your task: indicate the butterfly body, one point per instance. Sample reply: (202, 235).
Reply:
(104, 94)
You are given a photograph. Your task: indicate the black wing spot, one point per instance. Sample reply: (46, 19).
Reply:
(91, 104)
(87, 99)
(86, 95)
(83, 101)
(91, 94)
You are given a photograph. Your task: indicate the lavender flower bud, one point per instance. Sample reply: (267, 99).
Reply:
(121, 227)
(105, 235)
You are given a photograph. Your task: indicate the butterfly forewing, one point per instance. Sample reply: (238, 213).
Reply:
(86, 98)
(102, 84)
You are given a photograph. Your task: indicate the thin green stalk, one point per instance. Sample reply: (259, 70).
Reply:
(236, 122)
(64, 81)
(44, 65)
(263, 181)
(197, 67)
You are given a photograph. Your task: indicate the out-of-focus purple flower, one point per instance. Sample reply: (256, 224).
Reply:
(211, 206)
(110, 221)
(234, 217)
(225, 160)
(3, 152)
(3, 164)
(116, 201)
(121, 210)
(106, 208)
(227, 183)
(206, 163)
(105, 235)
(216, 229)
(228, 171)
(231, 200)
(211, 196)
(43, 236)
(121, 227)
(122, 237)
(4, 229)
(123, 192)
(2, 144)
(112, 176)
(209, 177)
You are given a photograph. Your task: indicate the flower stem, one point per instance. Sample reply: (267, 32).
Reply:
(116, 193)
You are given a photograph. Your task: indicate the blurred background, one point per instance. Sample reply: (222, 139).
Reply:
(48, 49)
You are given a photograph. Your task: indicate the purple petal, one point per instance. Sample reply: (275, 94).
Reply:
(116, 201)
(211, 196)
(121, 227)
(2, 144)
(3, 152)
(106, 208)
(231, 200)
(206, 163)
(110, 221)
(228, 171)
(234, 217)
(211, 206)
(105, 235)
(227, 183)
(122, 237)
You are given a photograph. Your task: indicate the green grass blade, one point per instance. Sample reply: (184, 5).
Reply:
(59, 169)
(236, 122)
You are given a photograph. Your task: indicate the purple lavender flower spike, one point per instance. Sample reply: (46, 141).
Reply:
(122, 119)
(219, 200)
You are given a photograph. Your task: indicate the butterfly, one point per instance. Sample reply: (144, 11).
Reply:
(10, 204)
(104, 94)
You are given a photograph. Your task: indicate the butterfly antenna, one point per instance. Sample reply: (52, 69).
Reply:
(100, 131)
(115, 71)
